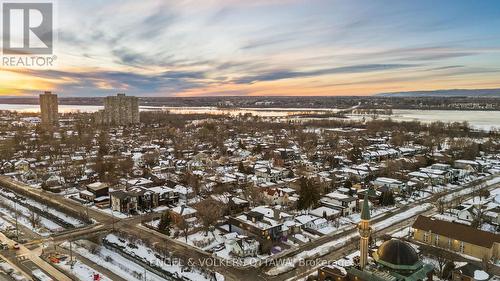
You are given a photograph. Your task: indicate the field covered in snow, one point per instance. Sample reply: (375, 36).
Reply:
(33, 215)
(113, 261)
(127, 259)
(82, 271)
(153, 258)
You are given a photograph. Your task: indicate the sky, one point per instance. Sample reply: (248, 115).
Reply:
(266, 47)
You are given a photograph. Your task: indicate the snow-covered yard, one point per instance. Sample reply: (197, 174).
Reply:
(152, 257)
(66, 218)
(225, 254)
(42, 220)
(111, 212)
(397, 218)
(81, 271)
(116, 263)
(8, 209)
(375, 212)
(202, 240)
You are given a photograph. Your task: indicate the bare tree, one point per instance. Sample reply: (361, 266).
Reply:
(253, 195)
(151, 158)
(209, 212)
(442, 257)
(183, 226)
(34, 219)
(440, 205)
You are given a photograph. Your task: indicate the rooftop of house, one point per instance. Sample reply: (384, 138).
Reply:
(388, 180)
(339, 196)
(183, 210)
(457, 231)
(323, 210)
(161, 189)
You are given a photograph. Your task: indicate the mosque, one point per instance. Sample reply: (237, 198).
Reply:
(394, 260)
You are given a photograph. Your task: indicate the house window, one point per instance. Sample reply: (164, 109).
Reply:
(426, 237)
(461, 247)
(449, 243)
(436, 240)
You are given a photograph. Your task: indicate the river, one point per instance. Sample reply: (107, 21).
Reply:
(484, 120)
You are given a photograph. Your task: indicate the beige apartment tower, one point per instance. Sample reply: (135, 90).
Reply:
(119, 110)
(49, 109)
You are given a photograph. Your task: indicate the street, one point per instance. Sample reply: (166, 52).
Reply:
(106, 223)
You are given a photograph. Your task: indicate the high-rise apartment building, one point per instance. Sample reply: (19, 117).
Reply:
(49, 109)
(119, 110)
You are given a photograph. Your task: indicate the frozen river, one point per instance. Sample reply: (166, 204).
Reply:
(478, 119)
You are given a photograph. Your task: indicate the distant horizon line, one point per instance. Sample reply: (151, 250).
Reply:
(379, 94)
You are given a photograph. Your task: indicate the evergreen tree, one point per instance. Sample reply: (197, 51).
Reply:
(241, 167)
(308, 194)
(387, 198)
(348, 183)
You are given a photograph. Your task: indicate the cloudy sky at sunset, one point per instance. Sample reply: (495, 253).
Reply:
(266, 47)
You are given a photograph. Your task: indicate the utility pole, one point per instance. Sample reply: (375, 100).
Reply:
(112, 218)
(87, 210)
(15, 211)
(70, 254)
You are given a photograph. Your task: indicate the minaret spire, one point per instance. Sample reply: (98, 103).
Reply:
(364, 232)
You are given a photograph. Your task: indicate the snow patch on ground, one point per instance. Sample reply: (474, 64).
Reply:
(82, 271)
(118, 264)
(147, 255)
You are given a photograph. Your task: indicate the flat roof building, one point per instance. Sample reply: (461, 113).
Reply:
(49, 109)
(119, 110)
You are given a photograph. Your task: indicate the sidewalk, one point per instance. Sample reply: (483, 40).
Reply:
(23, 251)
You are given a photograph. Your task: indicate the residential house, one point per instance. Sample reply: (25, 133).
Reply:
(22, 165)
(235, 204)
(345, 203)
(325, 212)
(183, 212)
(97, 189)
(53, 183)
(166, 195)
(357, 174)
(469, 272)
(470, 165)
(133, 199)
(268, 174)
(388, 183)
(464, 212)
(440, 176)
(143, 182)
(425, 178)
(275, 196)
(312, 222)
(242, 247)
(261, 222)
(183, 192)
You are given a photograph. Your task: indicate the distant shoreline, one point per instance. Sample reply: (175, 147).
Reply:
(299, 103)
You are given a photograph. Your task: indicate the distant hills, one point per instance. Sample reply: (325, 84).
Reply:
(446, 93)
